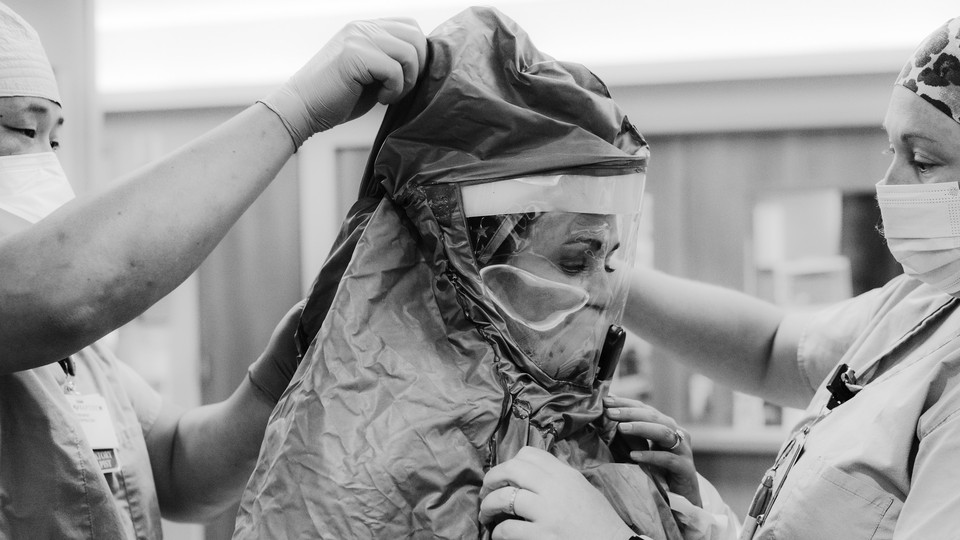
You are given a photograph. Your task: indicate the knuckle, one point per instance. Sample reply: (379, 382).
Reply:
(486, 502)
(362, 26)
(354, 43)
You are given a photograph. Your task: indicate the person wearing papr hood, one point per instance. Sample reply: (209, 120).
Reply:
(462, 313)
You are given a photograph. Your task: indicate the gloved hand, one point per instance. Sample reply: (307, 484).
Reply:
(365, 62)
(271, 373)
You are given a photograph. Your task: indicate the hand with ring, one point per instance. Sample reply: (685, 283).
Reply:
(535, 495)
(669, 446)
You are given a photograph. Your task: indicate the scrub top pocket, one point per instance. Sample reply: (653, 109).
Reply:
(821, 501)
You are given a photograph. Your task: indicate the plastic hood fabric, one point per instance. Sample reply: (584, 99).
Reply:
(410, 387)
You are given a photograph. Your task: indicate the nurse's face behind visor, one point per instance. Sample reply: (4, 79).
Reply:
(556, 270)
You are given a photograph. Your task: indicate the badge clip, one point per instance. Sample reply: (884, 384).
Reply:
(842, 386)
(69, 387)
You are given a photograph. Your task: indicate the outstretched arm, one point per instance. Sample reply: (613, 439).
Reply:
(99, 261)
(741, 341)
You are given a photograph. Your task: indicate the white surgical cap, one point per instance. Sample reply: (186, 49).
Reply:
(24, 67)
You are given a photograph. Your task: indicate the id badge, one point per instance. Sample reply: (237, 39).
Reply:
(92, 412)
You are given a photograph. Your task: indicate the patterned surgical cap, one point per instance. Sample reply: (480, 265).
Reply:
(933, 72)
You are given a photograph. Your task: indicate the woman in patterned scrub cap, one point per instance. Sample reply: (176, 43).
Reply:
(875, 455)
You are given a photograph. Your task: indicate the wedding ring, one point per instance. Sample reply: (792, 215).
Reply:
(513, 499)
(679, 435)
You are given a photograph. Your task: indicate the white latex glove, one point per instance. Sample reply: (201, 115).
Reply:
(365, 62)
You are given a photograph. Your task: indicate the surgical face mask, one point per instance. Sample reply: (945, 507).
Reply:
(32, 186)
(921, 223)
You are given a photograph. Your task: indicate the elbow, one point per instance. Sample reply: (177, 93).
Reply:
(55, 302)
(39, 328)
(79, 321)
(61, 322)
(96, 306)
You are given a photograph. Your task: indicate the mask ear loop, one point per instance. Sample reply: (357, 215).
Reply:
(503, 231)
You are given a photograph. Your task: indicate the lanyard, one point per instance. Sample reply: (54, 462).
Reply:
(765, 495)
(69, 369)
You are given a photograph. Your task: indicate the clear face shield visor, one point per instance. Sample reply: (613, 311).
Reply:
(554, 253)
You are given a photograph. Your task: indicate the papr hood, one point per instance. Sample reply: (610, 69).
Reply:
(410, 388)
(491, 105)
(488, 106)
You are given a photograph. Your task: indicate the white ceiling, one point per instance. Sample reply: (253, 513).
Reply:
(171, 45)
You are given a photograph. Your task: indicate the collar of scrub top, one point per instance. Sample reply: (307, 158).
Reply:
(844, 383)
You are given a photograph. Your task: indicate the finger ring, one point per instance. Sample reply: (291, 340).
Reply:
(513, 499)
(679, 435)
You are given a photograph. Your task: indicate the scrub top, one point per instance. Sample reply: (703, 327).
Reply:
(884, 463)
(51, 485)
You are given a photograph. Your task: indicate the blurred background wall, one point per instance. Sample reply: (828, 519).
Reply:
(764, 120)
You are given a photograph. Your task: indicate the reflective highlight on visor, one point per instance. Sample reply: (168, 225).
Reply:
(558, 193)
(544, 304)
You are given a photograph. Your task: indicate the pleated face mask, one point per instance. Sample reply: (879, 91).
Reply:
(921, 223)
(33, 185)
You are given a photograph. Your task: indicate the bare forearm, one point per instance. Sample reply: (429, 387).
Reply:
(202, 459)
(98, 262)
(213, 453)
(727, 335)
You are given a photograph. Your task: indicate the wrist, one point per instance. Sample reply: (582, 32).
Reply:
(291, 132)
(270, 376)
(289, 107)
